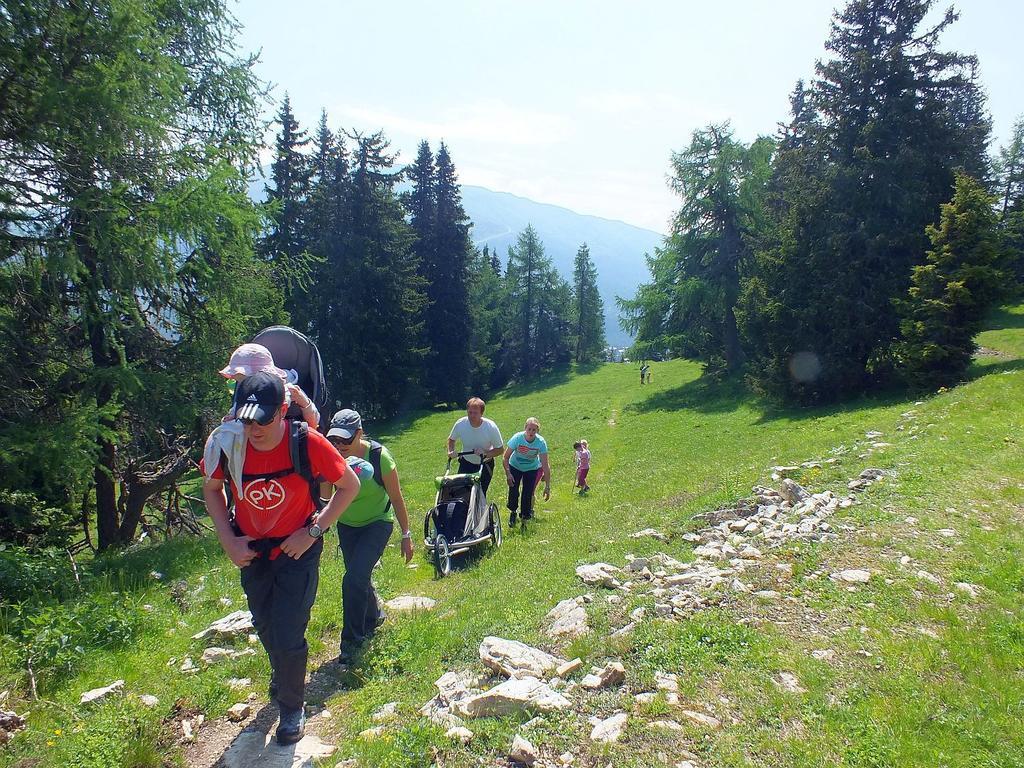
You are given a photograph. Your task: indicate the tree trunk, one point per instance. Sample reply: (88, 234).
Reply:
(145, 482)
(103, 358)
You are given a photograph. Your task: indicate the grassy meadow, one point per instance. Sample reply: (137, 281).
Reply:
(921, 675)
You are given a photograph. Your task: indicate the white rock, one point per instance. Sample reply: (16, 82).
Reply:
(370, 734)
(522, 751)
(666, 681)
(237, 683)
(649, 533)
(598, 574)
(793, 492)
(187, 665)
(787, 681)
(929, 577)
(515, 659)
(972, 590)
(405, 603)
(215, 655)
(459, 733)
(513, 695)
(239, 712)
(610, 729)
(569, 667)
(256, 749)
(824, 654)
(149, 700)
(947, 533)
(645, 698)
(665, 725)
(232, 625)
(852, 576)
(452, 686)
(767, 594)
(613, 673)
(699, 718)
(385, 713)
(97, 694)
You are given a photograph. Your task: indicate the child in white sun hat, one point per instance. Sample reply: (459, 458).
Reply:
(253, 358)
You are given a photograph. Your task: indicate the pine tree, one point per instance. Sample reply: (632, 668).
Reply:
(490, 314)
(525, 274)
(1009, 167)
(951, 293)
(445, 253)
(892, 116)
(285, 243)
(698, 273)
(588, 309)
(370, 347)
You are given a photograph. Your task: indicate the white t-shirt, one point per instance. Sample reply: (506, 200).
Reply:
(486, 437)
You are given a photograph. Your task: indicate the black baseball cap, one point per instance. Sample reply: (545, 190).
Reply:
(259, 397)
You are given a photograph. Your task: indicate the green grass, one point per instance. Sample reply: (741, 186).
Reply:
(661, 454)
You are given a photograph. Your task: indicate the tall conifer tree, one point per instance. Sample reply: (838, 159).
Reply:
(588, 309)
(285, 244)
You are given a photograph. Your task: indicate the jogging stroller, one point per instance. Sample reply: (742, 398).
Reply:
(460, 518)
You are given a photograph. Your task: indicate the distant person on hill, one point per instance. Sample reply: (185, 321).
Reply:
(582, 465)
(275, 535)
(649, 374)
(479, 435)
(252, 358)
(643, 373)
(364, 529)
(526, 456)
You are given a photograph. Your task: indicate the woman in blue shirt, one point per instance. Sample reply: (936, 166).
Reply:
(526, 455)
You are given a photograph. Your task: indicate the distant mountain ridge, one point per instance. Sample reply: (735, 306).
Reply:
(617, 248)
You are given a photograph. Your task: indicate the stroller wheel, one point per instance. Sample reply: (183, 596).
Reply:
(442, 556)
(495, 525)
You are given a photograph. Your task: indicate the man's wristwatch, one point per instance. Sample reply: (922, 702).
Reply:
(407, 534)
(315, 531)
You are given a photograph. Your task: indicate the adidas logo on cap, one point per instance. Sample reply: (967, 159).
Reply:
(251, 398)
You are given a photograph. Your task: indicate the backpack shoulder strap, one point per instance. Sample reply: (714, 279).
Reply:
(298, 448)
(375, 450)
(378, 476)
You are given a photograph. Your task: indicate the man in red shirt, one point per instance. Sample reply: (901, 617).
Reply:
(275, 537)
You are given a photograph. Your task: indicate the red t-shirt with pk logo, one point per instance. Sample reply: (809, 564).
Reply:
(279, 507)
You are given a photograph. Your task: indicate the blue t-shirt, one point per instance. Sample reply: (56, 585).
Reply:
(526, 455)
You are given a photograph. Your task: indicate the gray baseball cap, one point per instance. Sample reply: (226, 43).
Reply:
(345, 423)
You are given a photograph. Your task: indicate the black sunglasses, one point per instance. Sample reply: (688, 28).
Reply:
(342, 440)
(266, 423)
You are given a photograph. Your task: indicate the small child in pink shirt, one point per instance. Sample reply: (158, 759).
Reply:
(582, 465)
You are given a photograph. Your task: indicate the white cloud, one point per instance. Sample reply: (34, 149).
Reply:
(489, 121)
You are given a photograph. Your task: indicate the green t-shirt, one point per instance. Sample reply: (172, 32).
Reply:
(371, 504)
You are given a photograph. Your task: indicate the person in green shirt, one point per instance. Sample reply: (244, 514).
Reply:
(365, 527)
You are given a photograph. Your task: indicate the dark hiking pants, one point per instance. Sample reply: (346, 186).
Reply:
(361, 548)
(527, 481)
(466, 467)
(280, 594)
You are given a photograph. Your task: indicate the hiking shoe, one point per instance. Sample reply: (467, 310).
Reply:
(512, 519)
(292, 726)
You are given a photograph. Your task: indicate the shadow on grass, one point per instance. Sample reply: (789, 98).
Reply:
(709, 395)
(979, 370)
(1003, 319)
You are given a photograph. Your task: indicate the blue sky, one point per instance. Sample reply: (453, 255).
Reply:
(574, 103)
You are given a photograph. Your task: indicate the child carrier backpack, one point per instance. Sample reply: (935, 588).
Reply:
(292, 350)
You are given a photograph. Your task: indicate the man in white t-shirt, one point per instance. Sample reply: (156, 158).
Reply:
(479, 435)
